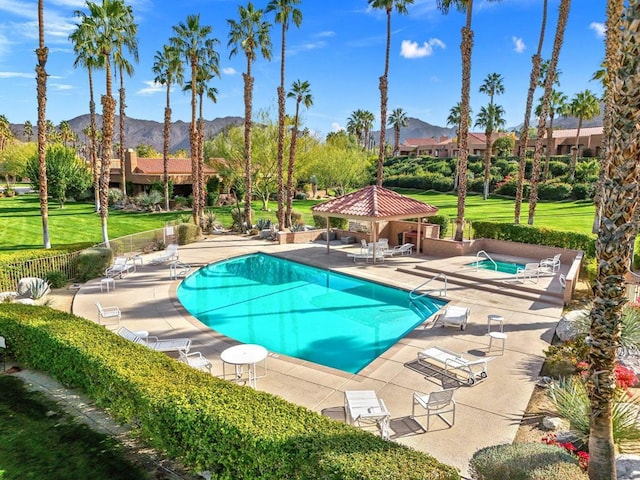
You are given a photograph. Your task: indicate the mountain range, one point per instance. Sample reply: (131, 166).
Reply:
(149, 132)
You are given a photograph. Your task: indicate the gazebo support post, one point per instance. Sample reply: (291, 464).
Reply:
(328, 236)
(374, 231)
(419, 235)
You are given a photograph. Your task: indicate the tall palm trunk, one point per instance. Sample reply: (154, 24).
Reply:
(41, 76)
(248, 90)
(282, 217)
(563, 16)
(384, 86)
(465, 48)
(201, 186)
(93, 155)
(193, 141)
(574, 153)
(487, 161)
(122, 149)
(547, 153)
(524, 132)
(108, 112)
(614, 245)
(292, 159)
(165, 148)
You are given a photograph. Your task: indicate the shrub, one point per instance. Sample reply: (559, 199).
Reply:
(263, 224)
(582, 191)
(115, 196)
(477, 168)
(509, 188)
(56, 279)
(301, 196)
(188, 233)
(558, 169)
(179, 202)
(554, 191)
(209, 423)
(476, 185)
(339, 223)
(524, 461)
(443, 221)
(296, 217)
(92, 263)
(442, 184)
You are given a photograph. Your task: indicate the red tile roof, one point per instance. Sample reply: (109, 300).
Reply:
(374, 202)
(155, 166)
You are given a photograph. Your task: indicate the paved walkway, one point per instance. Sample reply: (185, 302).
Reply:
(487, 413)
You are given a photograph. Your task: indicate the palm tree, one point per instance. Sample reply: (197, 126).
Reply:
(355, 126)
(397, 119)
(489, 117)
(250, 34)
(492, 86)
(5, 132)
(86, 50)
(191, 40)
(584, 106)
(41, 78)
(549, 80)
(28, 130)
(454, 119)
(557, 106)
(466, 45)
(614, 245)
(168, 70)
(124, 66)
(524, 131)
(301, 91)
(110, 25)
(401, 8)
(285, 11)
(66, 134)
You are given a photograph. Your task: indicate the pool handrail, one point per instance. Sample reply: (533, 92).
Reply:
(413, 295)
(482, 252)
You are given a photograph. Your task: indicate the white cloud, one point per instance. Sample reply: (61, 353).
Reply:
(599, 28)
(61, 87)
(305, 47)
(325, 34)
(17, 75)
(335, 127)
(229, 71)
(151, 88)
(518, 44)
(410, 49)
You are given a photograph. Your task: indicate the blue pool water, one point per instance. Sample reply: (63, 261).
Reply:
(503, 267)
(301, 311)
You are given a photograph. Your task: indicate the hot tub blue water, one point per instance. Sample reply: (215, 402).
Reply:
(325, 317)
(503, 267)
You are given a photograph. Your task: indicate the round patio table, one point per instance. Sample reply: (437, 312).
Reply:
(245, 354)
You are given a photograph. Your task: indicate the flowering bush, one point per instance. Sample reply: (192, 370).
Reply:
(581, 455)
(625, 376)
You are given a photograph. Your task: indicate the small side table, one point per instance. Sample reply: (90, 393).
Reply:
(499, 336)
(499, 319)
(138, 260)
(107, 282)
(245, 354)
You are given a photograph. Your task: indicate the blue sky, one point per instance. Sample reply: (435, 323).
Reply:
(339, 49)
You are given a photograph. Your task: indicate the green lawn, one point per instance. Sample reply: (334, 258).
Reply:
(40, 441)
(21, 225)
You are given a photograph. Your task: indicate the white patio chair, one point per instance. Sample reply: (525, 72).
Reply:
(456, 365)
(453, 316)
(531, 272)
(435, 403)
(364, 409)
(551, 264)
(155, 343)
(121, 266)
(170, 254)
(108, 316)
(404, 249)
(195, 360)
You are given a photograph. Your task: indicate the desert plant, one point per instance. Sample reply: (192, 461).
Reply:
(208, 220)
(92, 263)
(115, 196)
(39, 288)
(570, 398)
(263, 224)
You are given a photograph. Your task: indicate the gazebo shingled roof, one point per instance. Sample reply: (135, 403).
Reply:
(373, 204)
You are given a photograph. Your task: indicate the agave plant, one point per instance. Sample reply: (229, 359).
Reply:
(263, 224)
(571, 400)
(630, 330)
(39, 288)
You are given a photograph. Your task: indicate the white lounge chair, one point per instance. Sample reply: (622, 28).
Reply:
(195, 360)
(170, 254)
(551, 264)
(363, 408)
(379, 256)
(456, 365)
(531, 272)
(155, 343)
(405, 249)
(436, 403)
(121, 266)
(453, 316)
(108, 316)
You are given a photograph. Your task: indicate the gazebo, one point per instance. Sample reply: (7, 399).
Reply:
(374, 204)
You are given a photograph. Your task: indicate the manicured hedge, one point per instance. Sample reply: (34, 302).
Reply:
(535, 235)
(209, 423)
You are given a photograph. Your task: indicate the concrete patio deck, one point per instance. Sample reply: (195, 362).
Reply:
(488, 413)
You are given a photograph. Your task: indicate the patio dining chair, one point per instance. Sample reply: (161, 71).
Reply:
(108, 316)
(435, 403)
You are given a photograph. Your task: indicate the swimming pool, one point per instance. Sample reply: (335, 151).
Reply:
(503, 267)
(325, 317)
